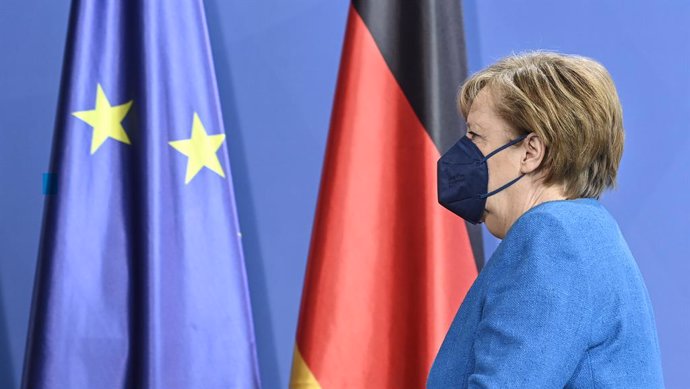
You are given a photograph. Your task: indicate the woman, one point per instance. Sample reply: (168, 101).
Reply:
(561, 303)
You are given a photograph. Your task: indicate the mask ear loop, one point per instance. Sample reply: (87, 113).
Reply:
(493, 192)
(505, 146)
(491, 154)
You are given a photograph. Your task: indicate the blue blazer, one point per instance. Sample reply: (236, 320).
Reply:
(560, 304)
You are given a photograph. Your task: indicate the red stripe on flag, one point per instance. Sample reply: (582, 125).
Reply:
(388, 266)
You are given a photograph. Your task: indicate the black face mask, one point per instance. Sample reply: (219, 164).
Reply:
(463, 179)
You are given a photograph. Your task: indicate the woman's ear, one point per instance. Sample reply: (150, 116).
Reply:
(535, 149)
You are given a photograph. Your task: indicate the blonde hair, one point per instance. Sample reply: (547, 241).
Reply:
(571, 103)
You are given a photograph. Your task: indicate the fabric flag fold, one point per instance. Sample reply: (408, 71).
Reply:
(388, 266)
(140, 279)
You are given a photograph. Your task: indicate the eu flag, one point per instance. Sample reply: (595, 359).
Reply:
(140, 280)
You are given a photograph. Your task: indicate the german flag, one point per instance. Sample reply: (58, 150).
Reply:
(388, 266)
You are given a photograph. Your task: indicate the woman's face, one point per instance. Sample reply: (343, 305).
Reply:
(488, 131)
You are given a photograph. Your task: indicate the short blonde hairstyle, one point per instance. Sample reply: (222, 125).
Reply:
(571, 103)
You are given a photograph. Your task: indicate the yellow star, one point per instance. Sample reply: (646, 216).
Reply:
(106, 120)
(200, 149)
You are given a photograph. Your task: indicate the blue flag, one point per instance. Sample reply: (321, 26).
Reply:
(140, 281)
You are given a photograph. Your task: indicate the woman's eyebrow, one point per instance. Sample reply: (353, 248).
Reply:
(472, 126)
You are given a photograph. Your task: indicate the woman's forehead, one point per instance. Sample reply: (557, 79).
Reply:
(482, 105)
(482, 113)
(484, 118)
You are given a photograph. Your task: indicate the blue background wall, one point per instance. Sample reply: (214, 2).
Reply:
(277, 63)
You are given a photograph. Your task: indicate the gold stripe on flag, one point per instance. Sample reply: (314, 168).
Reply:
(301, 377)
